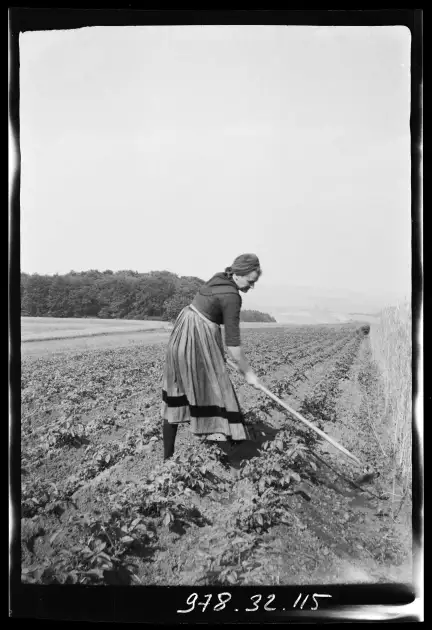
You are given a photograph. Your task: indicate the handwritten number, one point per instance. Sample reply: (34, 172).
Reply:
(208, 598)
(224, 598)
(223, 601)
(270, 599)
(304, 601)
(194, 597)
(314, 598)
(256, 603)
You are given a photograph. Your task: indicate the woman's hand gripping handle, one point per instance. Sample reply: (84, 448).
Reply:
(241, 365)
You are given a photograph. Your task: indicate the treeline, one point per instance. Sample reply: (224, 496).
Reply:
(255, 316)
(111, 295)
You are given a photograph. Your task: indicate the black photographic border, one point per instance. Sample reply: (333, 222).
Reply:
(159, 604)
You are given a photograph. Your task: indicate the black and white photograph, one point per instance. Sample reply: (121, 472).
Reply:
(216, 312)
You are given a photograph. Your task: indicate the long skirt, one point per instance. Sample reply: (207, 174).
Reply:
(196, 385)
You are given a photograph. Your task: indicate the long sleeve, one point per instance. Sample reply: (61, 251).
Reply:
(231, 305)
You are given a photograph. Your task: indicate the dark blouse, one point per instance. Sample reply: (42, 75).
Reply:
(219, 300)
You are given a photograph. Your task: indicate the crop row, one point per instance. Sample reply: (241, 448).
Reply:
(297, 370)
(85, 381)
(133, 517)
(321, 402)
(276, 351)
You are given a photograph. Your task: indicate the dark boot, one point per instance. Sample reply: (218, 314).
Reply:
(169, 436)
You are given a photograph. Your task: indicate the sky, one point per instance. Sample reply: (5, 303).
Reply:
(179, 148)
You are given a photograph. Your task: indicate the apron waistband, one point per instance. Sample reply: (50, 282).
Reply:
(206, 319)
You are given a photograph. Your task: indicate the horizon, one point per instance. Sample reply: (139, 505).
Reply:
(298, 301)
(336, 289)
(191, 145)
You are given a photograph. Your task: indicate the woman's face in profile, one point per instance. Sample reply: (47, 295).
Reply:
(245, 283)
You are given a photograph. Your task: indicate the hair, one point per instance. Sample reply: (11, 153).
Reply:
(243, 265)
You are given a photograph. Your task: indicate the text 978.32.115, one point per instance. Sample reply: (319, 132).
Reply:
(223, 601)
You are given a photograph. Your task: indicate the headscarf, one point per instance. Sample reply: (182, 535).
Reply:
(244, 264)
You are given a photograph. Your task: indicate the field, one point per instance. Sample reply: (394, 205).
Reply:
(53, 335)
(99, 506)
(55, 328)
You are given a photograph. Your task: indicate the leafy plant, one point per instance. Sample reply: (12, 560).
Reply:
(186, 472)
(226, 556)
(67, 434)
(258, 515)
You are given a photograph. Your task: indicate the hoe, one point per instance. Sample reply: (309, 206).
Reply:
(368, 473)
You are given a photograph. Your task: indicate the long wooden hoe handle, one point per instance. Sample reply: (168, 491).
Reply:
(300, 417)
(310, 425)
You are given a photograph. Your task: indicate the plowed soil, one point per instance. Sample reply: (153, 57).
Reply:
(92, 440)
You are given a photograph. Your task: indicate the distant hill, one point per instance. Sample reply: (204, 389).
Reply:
(309, 305)
(302, 316)
(322, 317)
(255, 316)
(369, 317)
